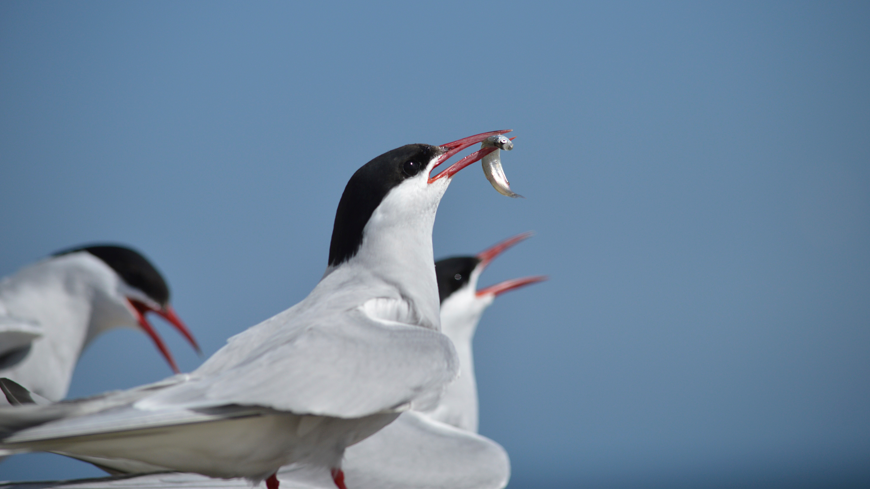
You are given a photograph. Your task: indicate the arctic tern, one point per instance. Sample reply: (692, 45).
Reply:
(51, 310)
(302, 386)
(415, 451)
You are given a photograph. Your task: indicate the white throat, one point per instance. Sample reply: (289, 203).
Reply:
(396, 250)
(69, 299)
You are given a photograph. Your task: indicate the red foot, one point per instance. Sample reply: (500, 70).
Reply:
(337, 477)
(272, 481)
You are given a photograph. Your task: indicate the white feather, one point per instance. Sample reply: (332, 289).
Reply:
(332, 355)
(56, 307)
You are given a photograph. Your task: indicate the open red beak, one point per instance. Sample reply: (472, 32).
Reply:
(501, 288)
(459, 145)
(489, 254)
(167, 313)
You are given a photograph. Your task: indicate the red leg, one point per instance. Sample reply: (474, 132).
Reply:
(272, 481)
(338, 478)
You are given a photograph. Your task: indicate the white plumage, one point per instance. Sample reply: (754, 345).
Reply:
(415, 451)
(51, 310)
(301, 386)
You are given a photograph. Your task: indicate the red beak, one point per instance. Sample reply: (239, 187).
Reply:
(489, 254)
(501, 288)
(459, 145)
(167, 313)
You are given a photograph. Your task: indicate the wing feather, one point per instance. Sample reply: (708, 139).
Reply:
(17, 333)
(124, 420)
(350, 367)
(417, 451)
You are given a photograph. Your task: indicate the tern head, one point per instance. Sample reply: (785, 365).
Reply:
(382, 237)
(127, 293)
(462, 303)
(396, 189)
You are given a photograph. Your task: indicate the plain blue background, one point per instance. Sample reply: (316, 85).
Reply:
(698, 176)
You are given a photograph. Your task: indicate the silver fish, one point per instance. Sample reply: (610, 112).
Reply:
(492, 164)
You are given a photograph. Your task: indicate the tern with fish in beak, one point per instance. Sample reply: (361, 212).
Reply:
(302, 386)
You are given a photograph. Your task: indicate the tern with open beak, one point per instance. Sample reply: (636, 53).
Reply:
(416, 451)
(51, 310)
(302, 386)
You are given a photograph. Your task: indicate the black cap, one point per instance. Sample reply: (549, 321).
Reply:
(366, 190)
(453, 273)
(132, 267)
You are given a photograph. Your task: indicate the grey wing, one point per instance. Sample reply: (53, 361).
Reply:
(415, 451)
(117, 421)
(17, 333)
(346, 367)
(349, 366)
(35, 421)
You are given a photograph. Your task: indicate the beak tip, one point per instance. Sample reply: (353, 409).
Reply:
(167, 313)
(508, 285)
(488, 255)
(454, 147)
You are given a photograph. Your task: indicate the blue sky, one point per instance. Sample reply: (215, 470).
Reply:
(698, 176)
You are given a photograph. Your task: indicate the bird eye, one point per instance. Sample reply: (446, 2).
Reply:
(411, 168)
(458, 276)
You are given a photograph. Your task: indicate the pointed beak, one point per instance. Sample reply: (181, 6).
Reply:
(167, 313)
(451, 149)
(489, 254)
(501, 288)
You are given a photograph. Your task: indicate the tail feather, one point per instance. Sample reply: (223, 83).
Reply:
(17, 394)
(28, 410)
(17, 418)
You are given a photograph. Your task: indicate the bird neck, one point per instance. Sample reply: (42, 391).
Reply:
(377, 273)
(395, 258)
(460, 314)
(57, 295)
